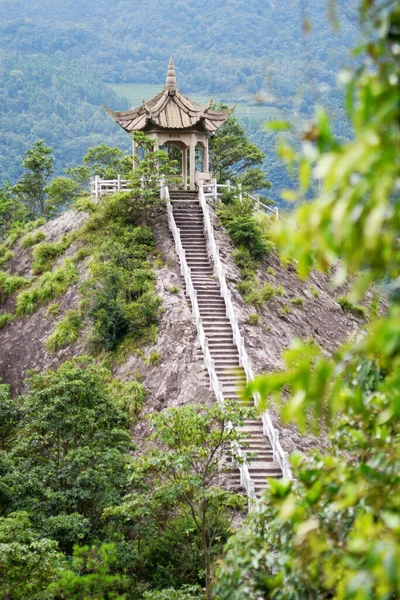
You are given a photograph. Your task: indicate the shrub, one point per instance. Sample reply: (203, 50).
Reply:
(48, 287)
(270, 291)
(31, 239)
(110, 321)
(246, 287)
(314, 291)
(244, 231)
(271, 271)
(5, 255)
(285, 310)
(253, 319)
(175, 289)
(9, 284)
(349, 307)
(66, 332)
(80, 255)
(297, 302)
(243, 259)
(5, 319)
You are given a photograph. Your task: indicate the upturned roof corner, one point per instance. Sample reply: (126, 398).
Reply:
(171, 110)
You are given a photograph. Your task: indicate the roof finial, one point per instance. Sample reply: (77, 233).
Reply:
(170, 83)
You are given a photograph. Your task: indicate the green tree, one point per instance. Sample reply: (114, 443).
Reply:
(61, 193)
(11, 211)
(182, 477)
(69, 452)
(90, 576)
(30, 189)
(234, 157)
(335, 531)
(28, 562)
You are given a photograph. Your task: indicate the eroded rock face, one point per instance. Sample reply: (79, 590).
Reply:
(180, 376)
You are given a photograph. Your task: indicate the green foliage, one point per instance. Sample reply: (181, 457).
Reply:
(234, 157)
(314, 291)
(31, 187)
(120, 289)
(49, 286)
(253, 319)
(298, 302)
(177, 482)
(350, 307)
(5, 319)
(5, 255)
(286, 310)
(53, 310)
(91, 576)
(46, 253)
(31, 239)
(186, 592)
(61, 193)
(257, 296)
(9, 284)
(154, 358)
(243, 228)
(28, 562)
(68, 453)
(334, 531)
(66, 332)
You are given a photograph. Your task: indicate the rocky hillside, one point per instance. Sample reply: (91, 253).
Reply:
(170, 363)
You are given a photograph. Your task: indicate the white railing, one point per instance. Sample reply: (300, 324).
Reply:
(211, 190)
(102, 187)
(215, 384)
(269, 430)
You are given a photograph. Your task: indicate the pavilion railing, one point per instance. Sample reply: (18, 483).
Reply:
(102, 187)
(215, 385)
(269, 430)
(211, 190)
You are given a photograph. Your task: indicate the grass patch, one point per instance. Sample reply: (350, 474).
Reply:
(49, 286)
(46, 253)
(154, 358)
(175, 289)
(21, 230)
(253, 319)
(9, 284)
(5, 255)
(314, 291)
(31, 239)
(286, 310)
(348, 307)
(5, 319)
(297, 302)
(53, 310)
(271, 271)
(66, 332)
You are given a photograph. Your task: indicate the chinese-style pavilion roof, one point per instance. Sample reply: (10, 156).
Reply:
(170, 110)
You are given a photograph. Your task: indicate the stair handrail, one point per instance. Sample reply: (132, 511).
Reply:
(245, 479)
(269, 430)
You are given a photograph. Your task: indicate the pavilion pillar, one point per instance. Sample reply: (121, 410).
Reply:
(206, 158)
(192, 171)
(134, 154)
(184, 167)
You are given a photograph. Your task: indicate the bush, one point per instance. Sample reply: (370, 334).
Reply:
(243, 259)
(349, 307)
(110, 321)
(53, 310)
(314, 291)
(153, 358)
(66, 332)
(48, 287)
(244, 231)
(246, 287)
(9, 284)
(5, 319)
(31, 239)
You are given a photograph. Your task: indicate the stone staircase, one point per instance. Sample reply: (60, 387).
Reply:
(188, 217)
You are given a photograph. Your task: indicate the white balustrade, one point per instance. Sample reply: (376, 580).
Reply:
(269, 430)
(215, 384)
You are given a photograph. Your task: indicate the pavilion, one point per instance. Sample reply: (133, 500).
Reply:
(172, 118)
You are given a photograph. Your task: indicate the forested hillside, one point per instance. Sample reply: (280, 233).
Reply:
(57, 57)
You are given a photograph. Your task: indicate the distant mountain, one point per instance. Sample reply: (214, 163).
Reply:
(57, 55)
